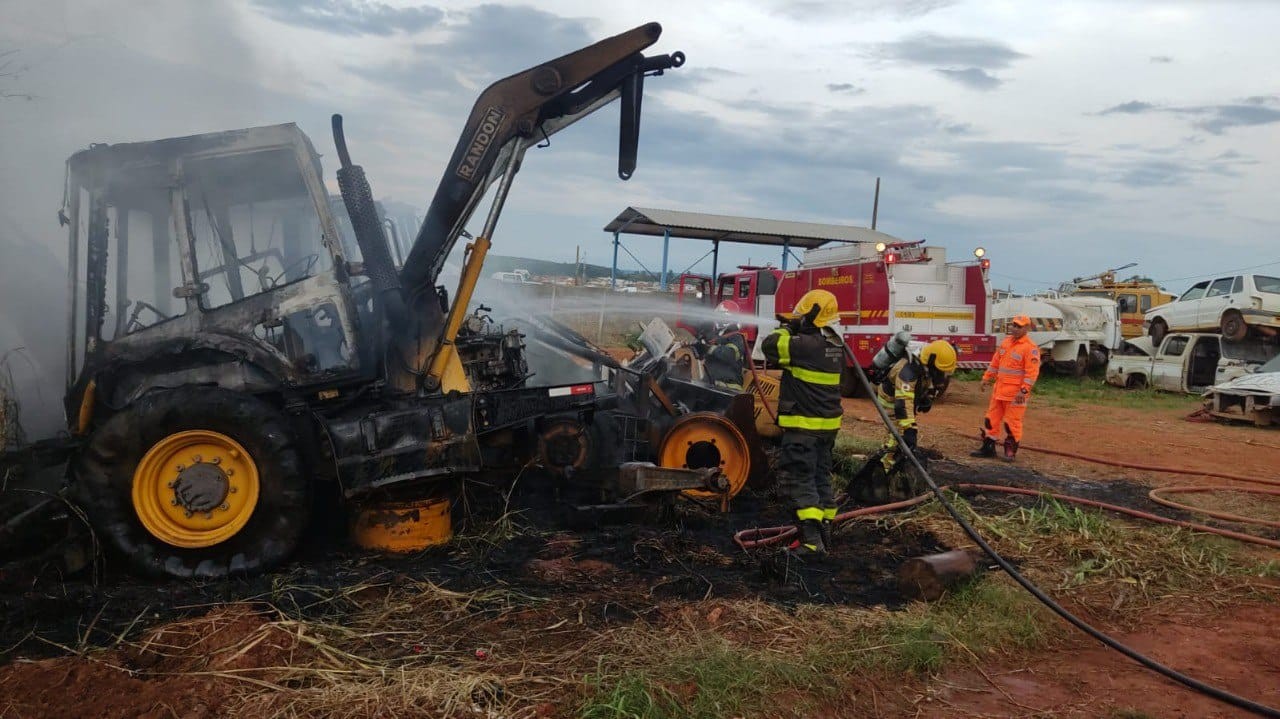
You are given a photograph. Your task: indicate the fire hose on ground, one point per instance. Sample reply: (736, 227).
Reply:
(759, 537)
(1155, 494)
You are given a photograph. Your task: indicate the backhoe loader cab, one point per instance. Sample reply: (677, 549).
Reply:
(218, 253)
(228, 360)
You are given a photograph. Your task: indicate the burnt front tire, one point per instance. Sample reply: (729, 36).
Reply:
(1233, 326)
(195, 483)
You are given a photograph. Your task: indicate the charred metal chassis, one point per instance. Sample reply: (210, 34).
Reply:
(374, 409)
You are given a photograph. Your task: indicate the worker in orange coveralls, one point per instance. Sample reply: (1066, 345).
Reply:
(1014, 369)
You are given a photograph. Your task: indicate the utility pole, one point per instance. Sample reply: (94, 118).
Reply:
(875, 205)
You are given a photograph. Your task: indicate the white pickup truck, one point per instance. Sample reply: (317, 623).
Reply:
(1184, 362)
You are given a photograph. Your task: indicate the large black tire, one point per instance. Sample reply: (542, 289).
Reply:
(1233, 326)
(1157, 332)
(1080, 367)
(104, 482)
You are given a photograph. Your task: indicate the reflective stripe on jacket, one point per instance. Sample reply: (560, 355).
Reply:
(726, 358)
(811, 362)
(1015, 365)
(903, 387)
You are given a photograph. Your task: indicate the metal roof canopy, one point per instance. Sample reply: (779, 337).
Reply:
(725, 228)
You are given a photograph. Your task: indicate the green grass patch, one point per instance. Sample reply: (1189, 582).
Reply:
(712, 678)
(1063, 391)
(710, 675)
(989, 615)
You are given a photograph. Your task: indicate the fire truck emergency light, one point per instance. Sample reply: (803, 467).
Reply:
(979, 252)
(880, 246)
(891, 258)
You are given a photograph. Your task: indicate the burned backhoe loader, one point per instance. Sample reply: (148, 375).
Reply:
(229, 357)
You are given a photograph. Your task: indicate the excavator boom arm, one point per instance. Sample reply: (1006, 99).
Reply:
(537, 101)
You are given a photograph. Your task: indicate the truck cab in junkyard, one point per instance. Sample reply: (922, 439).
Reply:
(1185, 362)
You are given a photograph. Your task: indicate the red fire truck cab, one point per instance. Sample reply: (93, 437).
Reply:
(881, 289)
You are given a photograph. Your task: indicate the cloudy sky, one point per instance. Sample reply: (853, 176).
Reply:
(1065, 137)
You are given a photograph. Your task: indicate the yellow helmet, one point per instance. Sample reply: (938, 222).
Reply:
(942, 354)
(828, 308)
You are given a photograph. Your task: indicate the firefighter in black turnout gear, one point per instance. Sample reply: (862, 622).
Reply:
(904, 389)
(811, 356)
(725, 355)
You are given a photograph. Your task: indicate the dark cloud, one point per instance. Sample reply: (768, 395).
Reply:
(948, 51)
(487, 43)
(971, 77)
(1133, 107)
(350, 17)
(1220, 118)
(1161, 59)
(845, 88)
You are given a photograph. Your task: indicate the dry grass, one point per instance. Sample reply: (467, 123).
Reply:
(1117, 569)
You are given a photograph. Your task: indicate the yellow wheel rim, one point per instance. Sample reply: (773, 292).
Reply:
(701, 440)
(195, 488)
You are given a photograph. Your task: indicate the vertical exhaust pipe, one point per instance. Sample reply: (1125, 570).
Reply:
(357, 195)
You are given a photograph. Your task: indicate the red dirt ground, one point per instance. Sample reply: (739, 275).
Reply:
(182, 669)
(1235, 650)
(1145, 436)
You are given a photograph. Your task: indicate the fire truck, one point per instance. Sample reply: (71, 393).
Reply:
(882, 289)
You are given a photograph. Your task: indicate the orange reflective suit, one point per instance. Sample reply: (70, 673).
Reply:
(1015, 367)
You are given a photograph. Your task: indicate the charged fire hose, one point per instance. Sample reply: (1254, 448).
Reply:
(1138, 465)
(1168, 672)
(1155, 494)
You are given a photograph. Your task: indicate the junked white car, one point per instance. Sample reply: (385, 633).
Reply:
(1230, 305)
(1254, 397)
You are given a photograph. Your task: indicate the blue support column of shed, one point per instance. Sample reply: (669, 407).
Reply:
(786, 250)
(666, 242)
(613, 269)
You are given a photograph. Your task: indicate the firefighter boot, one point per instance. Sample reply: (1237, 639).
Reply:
(809, 546)
(1010, 449)
(988, 448)
(829, 515)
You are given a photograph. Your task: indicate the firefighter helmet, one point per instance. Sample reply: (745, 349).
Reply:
(828, 308)
(941, 355)
(726, 317)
